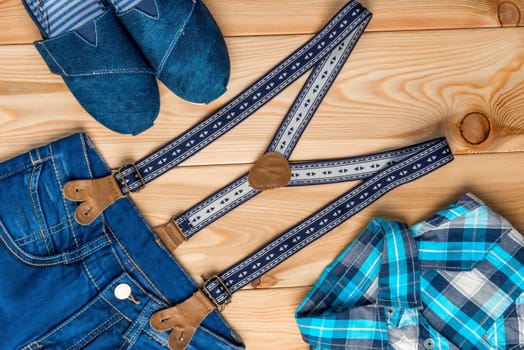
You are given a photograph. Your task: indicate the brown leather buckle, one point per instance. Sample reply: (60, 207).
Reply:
(171, 235)
(220, 306)
(182, 319)
(95, 196)
(271, 171)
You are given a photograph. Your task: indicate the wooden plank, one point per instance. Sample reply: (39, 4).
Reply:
(397, 88)
(256, 17)
(495, 178)
(264, 318)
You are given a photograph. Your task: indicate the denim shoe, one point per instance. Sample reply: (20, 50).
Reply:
(182, 42)
(98, 61)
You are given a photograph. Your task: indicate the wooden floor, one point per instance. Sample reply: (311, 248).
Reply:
(419, 70)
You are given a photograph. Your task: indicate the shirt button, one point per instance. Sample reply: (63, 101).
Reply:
(429, 344)
(390, 311)
(123, 291)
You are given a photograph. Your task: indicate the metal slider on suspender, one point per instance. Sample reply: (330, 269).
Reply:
(138, 175)
(271, 171)
(207, 282)
(95, 195)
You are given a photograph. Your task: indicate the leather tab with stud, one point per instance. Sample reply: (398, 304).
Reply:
(182, 319)
(95, 196)
(171, 235)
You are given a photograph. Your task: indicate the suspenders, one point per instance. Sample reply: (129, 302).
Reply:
(216, 292)
(325, 54)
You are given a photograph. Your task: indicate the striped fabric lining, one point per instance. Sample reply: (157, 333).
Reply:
(59, 16)
(124, 5)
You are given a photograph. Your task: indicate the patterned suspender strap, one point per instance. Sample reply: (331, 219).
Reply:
(219, 289)
(351, 16)
(327, 51)
(287, 136)
(302, 173)
(434, 154)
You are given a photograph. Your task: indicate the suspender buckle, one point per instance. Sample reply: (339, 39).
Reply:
(138, 175)
(222, 286)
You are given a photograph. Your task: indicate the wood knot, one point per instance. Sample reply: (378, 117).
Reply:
(475, 128)
(508, 13)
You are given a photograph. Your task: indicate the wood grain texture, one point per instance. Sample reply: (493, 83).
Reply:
(266, 17)
(403, 86)
(495, 178)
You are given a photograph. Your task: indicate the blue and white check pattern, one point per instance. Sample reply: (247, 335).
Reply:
(454, 281)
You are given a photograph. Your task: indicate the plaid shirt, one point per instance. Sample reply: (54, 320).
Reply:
(454, 281)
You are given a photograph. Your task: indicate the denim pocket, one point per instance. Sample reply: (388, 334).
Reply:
(98, 324)
(32, 211)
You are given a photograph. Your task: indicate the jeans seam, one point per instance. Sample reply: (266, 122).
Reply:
(155, 337)
(17, 170)
(137, 326)
(97, 331)
(37, 209)
(116, 309)
(70, 319)
(137, 267)
(35, 236)
(84, 263)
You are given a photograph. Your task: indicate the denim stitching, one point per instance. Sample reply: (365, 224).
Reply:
(149, 295)
(124, 316)
(23, 241)
(137, 267)
(83, 254)
(33, 237)
(37, 210)
(86, 159)
(18, 170)
(142, 13)
(53, 58)
(38, 155)
(71, 319)
(173, 43)
(84, 39)
(84, 151)
(138, 325)
(84, 340)
(168, 253)
(60, 185)
(155, 337)
(220, 339)
(68, 215)
(43, 43)
(30, 153)
(18, 256)
(114, 71)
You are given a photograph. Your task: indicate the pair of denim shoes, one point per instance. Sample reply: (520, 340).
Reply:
(110, 58)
